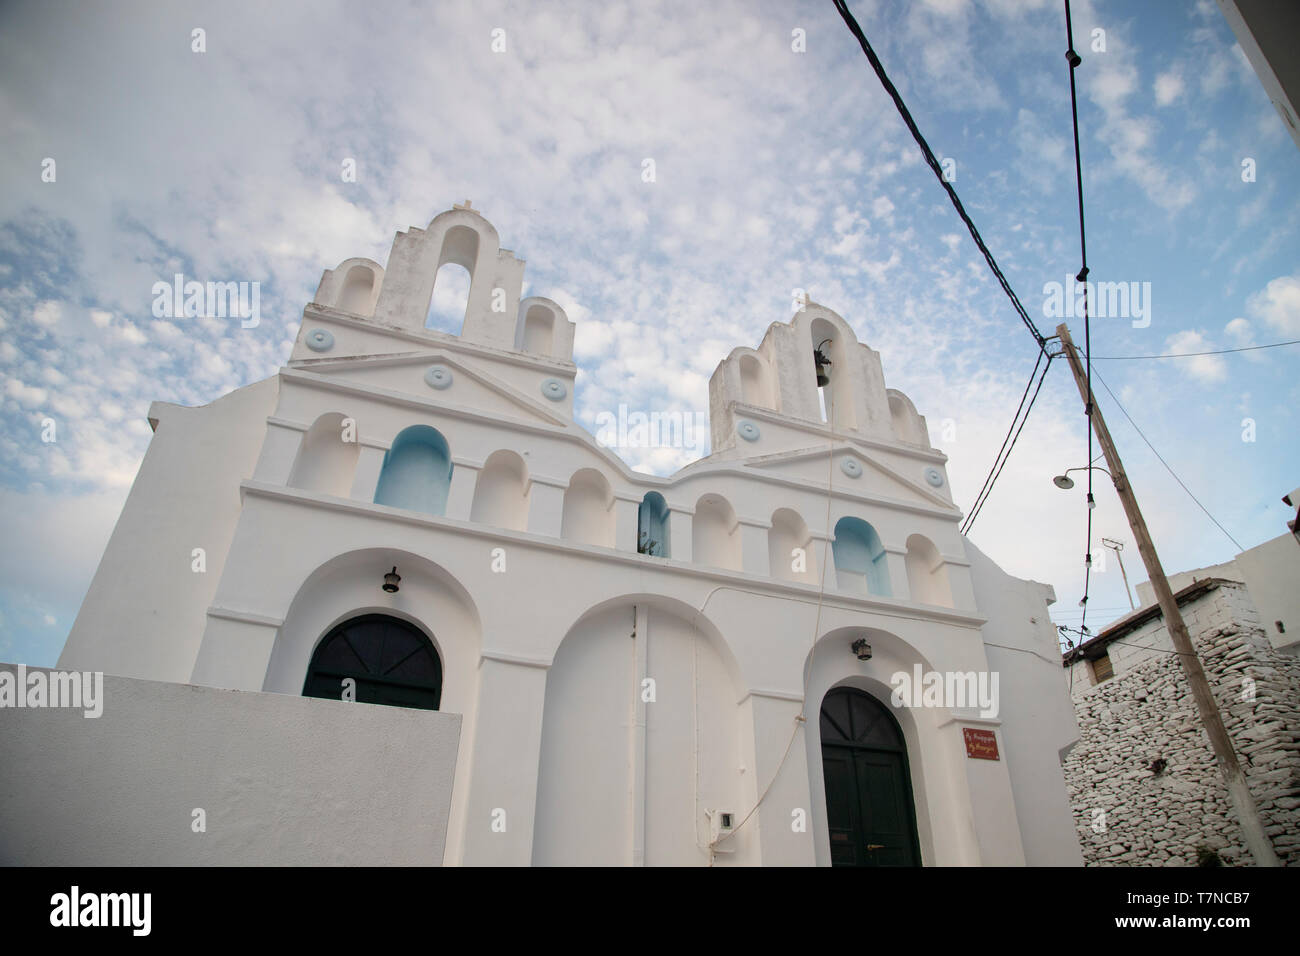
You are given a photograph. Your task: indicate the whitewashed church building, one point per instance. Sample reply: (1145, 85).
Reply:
(691, 670)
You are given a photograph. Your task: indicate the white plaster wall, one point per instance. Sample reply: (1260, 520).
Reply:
(585, 817)
(284, 781)
(1271, 571)
(1038, 722)
(143, 613)
(1146, 595)
(693, 761)
(605, 788)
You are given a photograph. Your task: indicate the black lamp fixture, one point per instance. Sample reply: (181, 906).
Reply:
(821, 361)
(861, 648)
(391, 579)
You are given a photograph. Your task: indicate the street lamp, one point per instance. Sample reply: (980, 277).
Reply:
(1065, 482)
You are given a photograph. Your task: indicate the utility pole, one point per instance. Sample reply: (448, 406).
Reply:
(1117, 547)
(1252, 827)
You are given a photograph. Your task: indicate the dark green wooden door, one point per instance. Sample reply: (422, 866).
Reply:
(869, 810)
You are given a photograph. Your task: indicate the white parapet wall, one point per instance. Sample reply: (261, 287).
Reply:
(278, 779)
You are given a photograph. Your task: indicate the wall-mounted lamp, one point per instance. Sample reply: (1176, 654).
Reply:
(391, 579)
(821, 361)
(862, 649)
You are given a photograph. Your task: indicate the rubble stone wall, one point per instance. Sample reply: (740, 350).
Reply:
(1130, 810)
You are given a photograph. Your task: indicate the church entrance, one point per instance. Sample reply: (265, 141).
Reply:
(869, 808)
(376, 659)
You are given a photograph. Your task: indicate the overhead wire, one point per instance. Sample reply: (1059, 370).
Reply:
(933, 163)
(998, 466)
(1146, 647)
(1173, 355)
(988, 478)
(1017, 422)
(1074, 60)
(1168, 467)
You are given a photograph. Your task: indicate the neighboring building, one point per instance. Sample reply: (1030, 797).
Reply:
(1143, 779)
(632, 657)
(1271, 574)
(1267, 31)
(1292, 500)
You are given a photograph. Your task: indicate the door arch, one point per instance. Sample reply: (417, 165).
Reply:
(870, 814)
(392, 662)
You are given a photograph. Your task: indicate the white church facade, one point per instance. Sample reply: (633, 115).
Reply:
(686, 670)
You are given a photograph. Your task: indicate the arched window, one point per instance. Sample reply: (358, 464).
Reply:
(927, 573)
(501, 492)
(837, 396)
(450, 299)
(790, 552)
(327, 457)
(389, 660)
(652, 525)
(869, 808)
(588, 516)
(416, 474)
(860, 558)
(715, 533)
(451, 283)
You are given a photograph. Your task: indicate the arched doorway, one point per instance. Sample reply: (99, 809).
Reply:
(869, 810)
(392, 662)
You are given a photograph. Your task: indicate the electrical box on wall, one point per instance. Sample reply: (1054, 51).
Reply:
(721, 824)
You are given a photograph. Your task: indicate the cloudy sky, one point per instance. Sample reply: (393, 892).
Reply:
(774, 170)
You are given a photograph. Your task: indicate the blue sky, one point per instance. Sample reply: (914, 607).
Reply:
(775, 170)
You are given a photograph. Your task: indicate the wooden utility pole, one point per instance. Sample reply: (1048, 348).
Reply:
(1252, 827)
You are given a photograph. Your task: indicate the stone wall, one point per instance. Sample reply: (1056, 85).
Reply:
(1130, 814)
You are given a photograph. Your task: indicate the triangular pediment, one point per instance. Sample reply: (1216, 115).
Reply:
(870, 475)
(464, 385)
(352, 337)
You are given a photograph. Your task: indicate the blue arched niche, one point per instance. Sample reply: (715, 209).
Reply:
(860, 557)
(417, 472)
(652, 525)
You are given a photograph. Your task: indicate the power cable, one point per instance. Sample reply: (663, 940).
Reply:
(1247, 348)
(1166, 464)
(989, 477)
(994, 475)
(1017, 422)
(1074, 60)
(933, 163)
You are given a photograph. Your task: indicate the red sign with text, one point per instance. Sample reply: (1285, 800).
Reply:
(980, 744)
